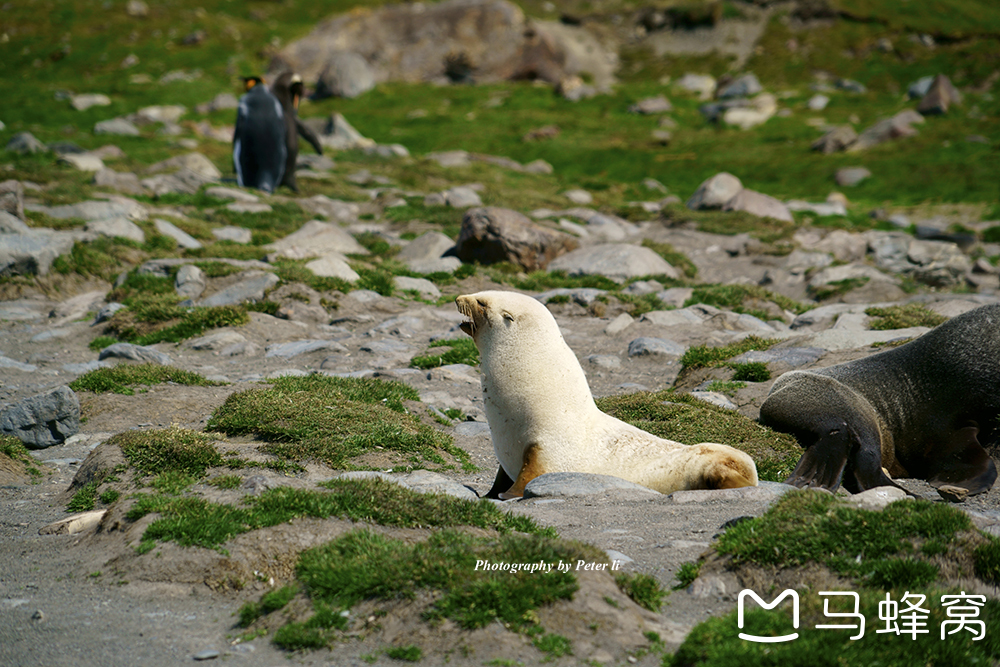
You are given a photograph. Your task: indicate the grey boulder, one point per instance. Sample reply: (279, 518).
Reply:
(43, 420)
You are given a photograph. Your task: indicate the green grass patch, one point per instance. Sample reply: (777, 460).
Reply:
(702, 356)
(365, 565)
(173, 450)
(644, 590)
(85, 499)
(270, 601)
(678, 260)
(876, 548)
(109, 496)
(121, 378)
(901, 317)
(101, 342)
(953, 19)
(405, 653)
(838, 287)
(12, 448)
(728, 387)
(334, 420)
(683, 418)
(686, 574)
(751, 371)
(715, 642)
(744, 299)
(191, 521)
(460, 351)
(225, 482)
(539, 281)
(893, 551)
(157, 318)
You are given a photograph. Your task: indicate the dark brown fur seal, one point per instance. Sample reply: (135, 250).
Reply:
(924, 410)
(287, 88)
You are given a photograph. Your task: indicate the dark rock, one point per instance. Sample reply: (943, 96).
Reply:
(44, 420)
(346, 74)
(850, 86)
(651, 105)
(32, 253)
(759, 204)
(25, 142)
(641, 347)
(251, 288)
(578, 484)
(454, 41)
(117, 126)
(12, 198)
(744, 86)
(886, 129)
(122, 182)
(851, 176)
(618, 261)
(715, 192)
(941, 95)
(134, 353)
(492, 234)
(837, 139)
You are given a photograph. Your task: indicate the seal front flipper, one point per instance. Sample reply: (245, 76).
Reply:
(822, 464)
(306, 133)
(502, 482)
(963, 462)
(531, 469)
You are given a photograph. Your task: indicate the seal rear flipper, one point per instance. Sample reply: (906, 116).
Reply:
(502, 482)
(531, 469)
(822, 465)
(964, 463)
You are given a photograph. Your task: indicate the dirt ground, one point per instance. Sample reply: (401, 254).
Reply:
(89, 599)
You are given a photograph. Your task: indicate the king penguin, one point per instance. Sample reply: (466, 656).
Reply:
(259, 144)
(287, 89)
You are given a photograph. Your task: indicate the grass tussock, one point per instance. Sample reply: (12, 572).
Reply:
(151, 319)
(703, 356)
(715, 642)
(744, 299)
(173, 450)
(191, 521)
(13, 449)
(365, 565)
(901, 317)
(690, 421)
(122, 378)
(333, 420)
(891, 552)
(886, 549)
(460, 351)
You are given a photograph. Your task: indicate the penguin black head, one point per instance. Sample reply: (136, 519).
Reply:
(251, 81)
(288, 88)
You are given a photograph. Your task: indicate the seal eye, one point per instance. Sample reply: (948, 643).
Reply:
(508, 317)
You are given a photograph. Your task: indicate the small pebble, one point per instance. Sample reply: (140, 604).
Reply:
(207, 654)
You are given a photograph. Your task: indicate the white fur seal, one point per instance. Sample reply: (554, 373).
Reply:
(543, 417)
(920, 410)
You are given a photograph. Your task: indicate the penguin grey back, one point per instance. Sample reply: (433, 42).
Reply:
(259, 149)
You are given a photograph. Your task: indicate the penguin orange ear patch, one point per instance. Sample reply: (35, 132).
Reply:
(251, 81)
